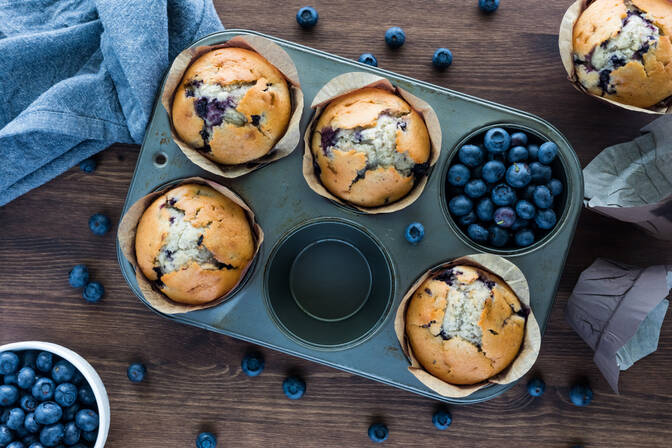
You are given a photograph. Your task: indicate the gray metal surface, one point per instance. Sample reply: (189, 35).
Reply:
(283, 202)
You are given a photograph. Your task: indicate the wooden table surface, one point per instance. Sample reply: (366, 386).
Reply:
(195, 381)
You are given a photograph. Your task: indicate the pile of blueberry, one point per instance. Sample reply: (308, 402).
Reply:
(503, 189)
(44, 402)
(79, 278)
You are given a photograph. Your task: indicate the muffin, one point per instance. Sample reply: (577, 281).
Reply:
(369, 146)
(194, 243)
(464, 325)
(232, 105)
(623, 51)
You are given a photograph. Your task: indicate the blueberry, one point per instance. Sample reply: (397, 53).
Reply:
(488, 6)
(518, 175)
(44, 362)
(519, 139)
(43, 389)
(536, 386)
(31, 440)
(475, 188)
(294, 387)
(525, 209)
(545, 219)
(48, 413)
(307, 17)
(88, 165)
(70, 412)
(485, 210)
(505, 217)
(497, 236)
(497, 140)
(25, 378)
(378, 432)
(458, 175)
(252, 364)
(503, 194)
(136, 372)
(62, 372)
(477, 233)
(542, 197)
(555, 186)
(77, 378)
(206, 440)
(90, 436)
(52, 435)
(93, 292)
(467, 219)
(533, 152)
(28, 403)
(30, 423)
(442, 58)
(442, 419)
(79, 276)
(395, 37)
(65, 394)
(71, 433)
(581, 394)
(86, 396)
(460, 205)
(15, 418)
(99, 224)
(9, 363)
(16, 444)
(547, 152)
(518, 154)
(6, 435)
(368, 59)
(540, 173)
(4, 415)
(414, 232)
(519, 223)
(493, 171)
(11, 379)
(8, 395)
(86, 419)
(471, 155)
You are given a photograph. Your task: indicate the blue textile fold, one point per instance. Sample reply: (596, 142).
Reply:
(79, 75)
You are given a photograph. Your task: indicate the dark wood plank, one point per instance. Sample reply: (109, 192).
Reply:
(195, 380)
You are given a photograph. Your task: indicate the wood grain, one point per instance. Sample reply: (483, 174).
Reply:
(195, 381)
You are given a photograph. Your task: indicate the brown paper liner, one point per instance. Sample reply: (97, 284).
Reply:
(347, 83)
(126, 237)
(529, 350)
(278, 58)
(566, 46)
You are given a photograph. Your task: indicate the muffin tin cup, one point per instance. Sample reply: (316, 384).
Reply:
(566, 46)
(530, 347)
(274, 54)
(126, 243)
(348, 83)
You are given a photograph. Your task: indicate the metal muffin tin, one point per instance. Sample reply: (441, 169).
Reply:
(361, 263)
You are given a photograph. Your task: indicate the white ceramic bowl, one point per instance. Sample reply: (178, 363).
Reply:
(89, 374)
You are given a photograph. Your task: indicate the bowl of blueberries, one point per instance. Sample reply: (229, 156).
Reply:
(505, 189)
(50, 397)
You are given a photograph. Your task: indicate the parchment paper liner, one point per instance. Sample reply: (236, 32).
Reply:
(349, 82)
(566, 46)
(529, 351)
(126, 237)
(273, 54)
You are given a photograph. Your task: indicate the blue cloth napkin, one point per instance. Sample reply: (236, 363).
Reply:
(79, 75)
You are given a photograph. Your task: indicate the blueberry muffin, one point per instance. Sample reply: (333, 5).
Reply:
(232, 105)
(194, 243)
(369, 146)
(623, 50)
(465, 325)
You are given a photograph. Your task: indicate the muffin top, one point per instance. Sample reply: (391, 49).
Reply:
(464, 325)
(195, 243)
(369, 146)
(232, 105)
(623, 50)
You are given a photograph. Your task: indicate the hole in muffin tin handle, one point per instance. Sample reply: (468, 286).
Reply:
(160, 159)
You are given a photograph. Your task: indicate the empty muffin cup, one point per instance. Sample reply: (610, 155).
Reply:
(328, 284)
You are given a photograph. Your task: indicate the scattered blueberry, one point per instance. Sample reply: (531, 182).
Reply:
(99, 224)
(65, 394)
(62, 372)
(458, 175)
(540, 173)
(44, 362)
(28, 403)
(93, 292)
(43, 389)
(518, 175)
(8, 395)
(475, 188)
(48, 413)
(30, 423)
(545, 219)
(488, 6)
(485, 210)
(15, 418)
(471, 155)
(497, 236)
(477, 233)
(519, 139)
(253, 363)
(206, 440)
(533, 152)
(525, 209)
(493, 171)
(536, 387)
(503, 194)
(460, 205)
(79, 276)
(414, 232)
(497, 140)
(395, 37)
(88, 165)
(442, 419)
(52, 435)
(136, 372)
(71, 433)
(505, 217)
(294, 387)
(25, 378)
(442, 58)
(9, 363)
(542, 197)
(368, 59)
(581, 394)
(307, 17)
(555, 186)
(86, 419)
(518, 154)
(547, 152)
(378, 432)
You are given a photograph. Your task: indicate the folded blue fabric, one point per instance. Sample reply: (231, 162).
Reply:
(79, 75)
